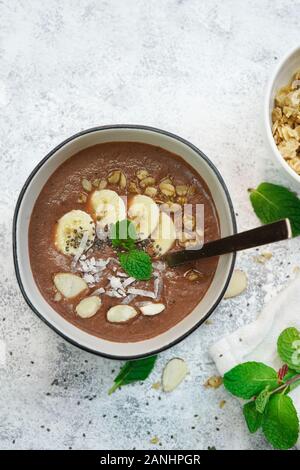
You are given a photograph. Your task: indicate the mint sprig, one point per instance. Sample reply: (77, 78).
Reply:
(249, 379)
(123, 235)
(280, 422)
(288, 346)
(270, 408)
(272, 202)
(133, 371)
(136, 263)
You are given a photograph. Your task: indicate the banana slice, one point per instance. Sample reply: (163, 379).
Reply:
(73, 228)
(69, 285)
(164, 235)
(88, 307)
(108, 207)
(121, 313)
(144, 214)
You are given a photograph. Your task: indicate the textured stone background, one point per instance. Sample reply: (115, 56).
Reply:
(196, 68)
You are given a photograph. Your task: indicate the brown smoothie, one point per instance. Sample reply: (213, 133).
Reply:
(181, 288)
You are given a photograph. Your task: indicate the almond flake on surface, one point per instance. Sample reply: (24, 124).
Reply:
(88, 307)
(214, 382)
(237, 284)
(151, 308)
(121, 313)
(173, 374)
(69, 285)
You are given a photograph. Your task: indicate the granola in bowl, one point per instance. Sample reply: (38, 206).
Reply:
(286, 122)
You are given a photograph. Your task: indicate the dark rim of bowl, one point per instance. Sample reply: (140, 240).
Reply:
(15, 220)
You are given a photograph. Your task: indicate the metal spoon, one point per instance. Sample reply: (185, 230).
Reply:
(269, 233)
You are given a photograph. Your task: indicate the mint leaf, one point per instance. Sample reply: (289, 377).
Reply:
(288, 346)
(272, 202)
(123, 234)
(249, 379)
(137, 264)
(280, 422)
(252, 416)
(133, 371)
(262, 400)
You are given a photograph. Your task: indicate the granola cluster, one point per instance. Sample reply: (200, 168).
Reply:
(286, 122)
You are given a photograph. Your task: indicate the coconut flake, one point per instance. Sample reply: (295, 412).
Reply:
(121, 274)
(100, 290)
(89, 278)
(114, 293)
(159, 265)
(142, 292)
(158, 287)
(81, 248)
(128, 282)
(128, 299)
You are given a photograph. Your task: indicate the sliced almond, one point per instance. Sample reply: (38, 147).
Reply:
(57, 297)
(167, 189)
(121, 313)
(171, 206)
(132, 188)
(182, 189)
(69, 285)
(214, 382)
(150, 191)
(167, 179)
(88, 307)
(191, 191)
(189, 222)
(96, 182)
(173, 374)
(193, 275)
(149, 181)
(114, 177)
(182, 200)
(151, 308)
(82, 198)
(123, 181)
(142, 173)
(102, 184)
(86, 184)
(237, 285)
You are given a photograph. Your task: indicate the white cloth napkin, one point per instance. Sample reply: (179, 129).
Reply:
(258, 341)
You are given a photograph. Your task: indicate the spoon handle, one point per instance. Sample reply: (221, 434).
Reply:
(269, 233)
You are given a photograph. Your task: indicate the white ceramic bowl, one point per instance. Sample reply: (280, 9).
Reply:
(282, 76)
(26, 202)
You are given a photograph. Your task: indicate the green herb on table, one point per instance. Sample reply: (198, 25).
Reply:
(137, 263)
(270, 408)
(272, 202)
(133, 371)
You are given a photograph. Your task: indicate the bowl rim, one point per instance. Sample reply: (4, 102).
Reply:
(268, 123)
(14, 236)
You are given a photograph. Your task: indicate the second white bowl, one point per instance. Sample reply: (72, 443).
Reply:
(281, 77)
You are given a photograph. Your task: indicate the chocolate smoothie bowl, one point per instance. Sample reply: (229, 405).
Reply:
(92, 225)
